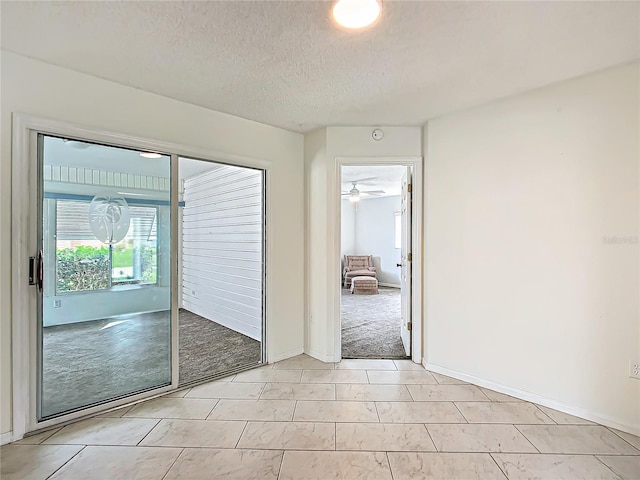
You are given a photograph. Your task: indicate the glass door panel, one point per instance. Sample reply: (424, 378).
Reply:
(104, 329)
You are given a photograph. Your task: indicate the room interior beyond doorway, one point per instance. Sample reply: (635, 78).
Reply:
(371, 316)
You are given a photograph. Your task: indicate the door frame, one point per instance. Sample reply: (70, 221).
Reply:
(24, 184)
(417, 267)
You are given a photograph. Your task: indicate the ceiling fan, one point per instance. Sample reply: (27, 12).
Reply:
(354, 193)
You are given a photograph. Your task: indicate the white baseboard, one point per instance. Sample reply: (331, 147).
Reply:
(285, 355)
(320, 356)
(534, 398)
(6, 438)
(392, 285)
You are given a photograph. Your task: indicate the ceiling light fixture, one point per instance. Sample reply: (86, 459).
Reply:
(354, 198)
(356, 13)
(76, 144)
(150, 155)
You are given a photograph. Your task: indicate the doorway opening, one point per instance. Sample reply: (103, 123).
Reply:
(375, 298)
(221, 268)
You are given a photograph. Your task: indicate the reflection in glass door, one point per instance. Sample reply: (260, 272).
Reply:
(104, 329)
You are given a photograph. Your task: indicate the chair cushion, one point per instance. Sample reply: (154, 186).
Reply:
(358, 262)
(364, 285)
(364, 280)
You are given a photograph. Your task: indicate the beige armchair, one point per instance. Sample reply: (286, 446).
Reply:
(357, 266)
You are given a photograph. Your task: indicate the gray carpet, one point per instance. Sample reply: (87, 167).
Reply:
(208, 349)
(371, 325)
(86, 363)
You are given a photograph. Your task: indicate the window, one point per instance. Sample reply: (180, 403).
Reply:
(84, 263)
(398, 224)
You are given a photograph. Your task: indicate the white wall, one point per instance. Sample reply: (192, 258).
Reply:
(222, 223)
(375, 235)
(524, 287)
(317, 340)
(322, 147)
(347, 229)
(44, 90)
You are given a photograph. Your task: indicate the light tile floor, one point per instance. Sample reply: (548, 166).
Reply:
(304, 419)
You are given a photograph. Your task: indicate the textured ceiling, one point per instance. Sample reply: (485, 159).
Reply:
(286, 64)
(374, 177)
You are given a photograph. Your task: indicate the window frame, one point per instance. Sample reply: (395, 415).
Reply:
(112, 286)
(397, 239)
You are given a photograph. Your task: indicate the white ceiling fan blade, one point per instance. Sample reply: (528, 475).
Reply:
(372, 192)
(360, 180)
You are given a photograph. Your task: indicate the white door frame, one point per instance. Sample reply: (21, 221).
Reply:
(24, 184)
(417, 272)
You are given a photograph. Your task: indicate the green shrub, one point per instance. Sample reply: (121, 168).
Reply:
(82, 268)
(148, 259)
(87, 268)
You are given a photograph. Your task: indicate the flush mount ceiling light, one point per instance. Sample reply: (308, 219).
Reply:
(356, 13)
(78, 145)
(150, 155)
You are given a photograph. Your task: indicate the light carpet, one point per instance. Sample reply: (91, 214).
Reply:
(371, 325)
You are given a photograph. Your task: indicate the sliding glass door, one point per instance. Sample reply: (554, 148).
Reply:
(103, 274)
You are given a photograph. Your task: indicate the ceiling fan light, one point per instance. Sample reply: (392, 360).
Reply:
(354, 198)
(356, 13)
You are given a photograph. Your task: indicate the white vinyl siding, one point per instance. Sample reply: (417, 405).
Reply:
(222, 250)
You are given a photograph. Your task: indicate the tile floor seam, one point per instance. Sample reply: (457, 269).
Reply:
(597, 457)
(389, 463)
(543, 413)
(262, 389)
(431, 437)
(214, 406)
(612, 430)
(504, 474)
(72, 457)
(244, 429)
(455, 404)
(482, 392)
(527, 438)
(413, 399)
(281, 462)
(173, 463)
(305, 449)
(150, 430)
(335, 436)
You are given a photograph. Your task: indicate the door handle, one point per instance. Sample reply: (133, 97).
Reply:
(32, 271)
(398, 264)
(40, 271)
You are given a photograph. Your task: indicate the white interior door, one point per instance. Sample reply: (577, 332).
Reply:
(405, 262)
